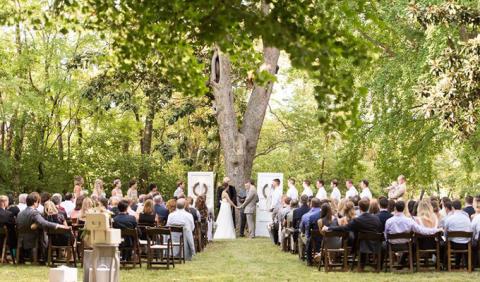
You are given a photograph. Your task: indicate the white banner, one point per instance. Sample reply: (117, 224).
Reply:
(201, 183)
(264, 188)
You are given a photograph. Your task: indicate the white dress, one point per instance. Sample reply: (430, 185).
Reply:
(225, 228)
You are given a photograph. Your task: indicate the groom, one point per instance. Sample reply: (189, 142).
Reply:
(249, 206)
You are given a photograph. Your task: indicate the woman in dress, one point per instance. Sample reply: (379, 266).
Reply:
(98, 191)
(132, 192)
(78, 186)
(225, 228)
(52, 215)
(117, 188)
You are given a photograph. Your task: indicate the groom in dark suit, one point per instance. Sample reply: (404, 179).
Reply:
(232, 193)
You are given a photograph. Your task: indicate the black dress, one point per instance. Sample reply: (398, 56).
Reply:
(58, 239)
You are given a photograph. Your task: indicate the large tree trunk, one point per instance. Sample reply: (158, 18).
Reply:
(18, 151)
(146, 142)
(239, 146)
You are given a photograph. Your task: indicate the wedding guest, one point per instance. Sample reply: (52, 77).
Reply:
(307, 189)
(68, 205)
(336, 195)
(309, 222)
(384, 213)
(114, 200)
(57, 199)
(298, 213)
(22, 201)
(180, 217)
(365, 190)
(98, 190)
(426, 217)
(411, 208)
(125, 221)
(78, 186)
(7, 220)
(374, 206)
(44, 196)
(476, 230)
(87, 204)
(292, 191)
(201, 206)
(321, 192)
(171, 206)
(326, 220)
(458, 220)
(180, 189)
(396, 192)
(348, 213)
(189, 208)
(160, 209)
(12, 207)
(276, 195)
(399, 223)
(117, 188)
(281, 218)
(132, 192)
(443, 211)
(52, 215)
(436, 210)
(469, 206)
(147, 216)
(351, 190)
(25, 221)
(78, 206)
(152, 189)
(447, 206)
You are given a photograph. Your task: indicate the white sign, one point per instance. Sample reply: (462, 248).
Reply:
(201, 183)
(264, 188)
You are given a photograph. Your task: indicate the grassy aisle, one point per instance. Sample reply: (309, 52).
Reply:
(241, 260)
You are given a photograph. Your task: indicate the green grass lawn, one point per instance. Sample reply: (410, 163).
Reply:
(241, 260)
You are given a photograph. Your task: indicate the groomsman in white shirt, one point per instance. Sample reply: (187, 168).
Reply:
(292, 191)
(335, 195)
(321, 192)
(351, 190)
(307, 190)
(365, 190)
(277, 193)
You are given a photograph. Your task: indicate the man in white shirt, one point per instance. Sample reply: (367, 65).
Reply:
(276, 194)
(22, 202)
(365, 190)
(292, 191)
(180, 217)
(351, 190)
(68, 205)
(321, 192)
(335, 195)
(307, 190)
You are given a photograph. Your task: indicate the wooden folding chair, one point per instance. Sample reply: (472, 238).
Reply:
(6, 248)
(459, 234)
(376, 238)
(159, 239)
(134, 248)
(401, 248)
(54, 252)
(425, 253)
(180, 243)
(327, 250)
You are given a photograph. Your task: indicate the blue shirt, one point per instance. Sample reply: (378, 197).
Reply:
(308, 219)
(161, 211)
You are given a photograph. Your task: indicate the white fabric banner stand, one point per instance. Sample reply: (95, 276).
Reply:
(199, 183)
(264, 216)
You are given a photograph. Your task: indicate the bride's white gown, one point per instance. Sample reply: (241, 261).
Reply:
(225, 228)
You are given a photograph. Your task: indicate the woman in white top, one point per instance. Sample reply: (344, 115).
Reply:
(98, 188)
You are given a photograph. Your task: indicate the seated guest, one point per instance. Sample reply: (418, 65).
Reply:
(327, 219)
(469, 206)
(347, 213)
(281, 218)
(425, 214)
(7, 220)
(147, 216)
(399, 223)
(28, 218)
(374, 206)
(447, 207)
(12, 207)
(458, 220)
(180, 217)
(22, 202)
(57, 199)
(436, 210)
(411, 208)
(355, 200)
(87, 204)
(384, 214)
(52, 215)
(201, 206)
(171, 205)
(298, 213)
(365, 222)
(443, 210)
(125, 221)
(309, 222)
(189, 207)
(160, 209)
(476, 230)
(68, 205)
(78, 207)
(114, 200)
(44, 196)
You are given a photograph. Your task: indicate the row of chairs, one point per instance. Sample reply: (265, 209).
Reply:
(147, 242)
(431, 255)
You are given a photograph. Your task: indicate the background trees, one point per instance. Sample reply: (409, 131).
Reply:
(153, 90)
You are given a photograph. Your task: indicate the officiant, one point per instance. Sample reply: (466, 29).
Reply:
(232, 193)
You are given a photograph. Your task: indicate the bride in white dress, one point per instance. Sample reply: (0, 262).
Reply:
(225, 228)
